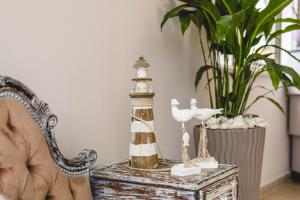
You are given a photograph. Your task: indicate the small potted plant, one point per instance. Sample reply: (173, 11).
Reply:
(239, 37)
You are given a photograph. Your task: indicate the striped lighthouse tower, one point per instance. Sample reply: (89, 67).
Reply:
(143, 149)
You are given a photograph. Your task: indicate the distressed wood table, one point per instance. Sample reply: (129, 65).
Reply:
(117, 181)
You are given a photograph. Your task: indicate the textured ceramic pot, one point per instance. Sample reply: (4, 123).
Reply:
(241, 147)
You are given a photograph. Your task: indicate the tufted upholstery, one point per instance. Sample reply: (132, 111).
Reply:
(27, 171)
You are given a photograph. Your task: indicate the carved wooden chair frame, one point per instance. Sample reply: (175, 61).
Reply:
(43, 116)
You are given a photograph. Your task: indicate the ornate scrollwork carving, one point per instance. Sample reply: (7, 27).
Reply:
(43, 116)
(51, 122)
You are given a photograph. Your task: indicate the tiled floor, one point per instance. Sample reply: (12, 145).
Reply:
(288, 190)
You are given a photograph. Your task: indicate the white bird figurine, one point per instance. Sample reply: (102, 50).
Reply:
(181, 115)
(186, 139)
(203, 114)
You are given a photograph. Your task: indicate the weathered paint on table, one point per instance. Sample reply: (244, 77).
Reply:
(117, 181)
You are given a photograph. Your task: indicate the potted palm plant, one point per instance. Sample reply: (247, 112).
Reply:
(237, 36)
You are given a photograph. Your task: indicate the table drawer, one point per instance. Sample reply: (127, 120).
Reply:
(116, 190)
(222, 190)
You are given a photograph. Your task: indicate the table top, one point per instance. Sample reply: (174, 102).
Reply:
(119, 171)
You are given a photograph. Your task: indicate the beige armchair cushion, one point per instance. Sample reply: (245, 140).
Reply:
(27, 170)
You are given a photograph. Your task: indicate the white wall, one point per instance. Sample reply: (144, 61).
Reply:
(276, 152)
(78, 56)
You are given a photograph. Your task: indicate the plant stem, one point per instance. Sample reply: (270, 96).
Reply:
(207, 75)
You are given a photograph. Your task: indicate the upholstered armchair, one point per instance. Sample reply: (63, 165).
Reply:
(31, 165)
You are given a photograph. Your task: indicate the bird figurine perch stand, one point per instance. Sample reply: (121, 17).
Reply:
(204, 159)
(187, 167)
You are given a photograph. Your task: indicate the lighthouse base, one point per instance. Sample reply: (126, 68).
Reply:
(181, 170)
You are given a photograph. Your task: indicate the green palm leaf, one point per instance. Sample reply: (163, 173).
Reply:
(200, 73)
(273, 8)
(172, 13)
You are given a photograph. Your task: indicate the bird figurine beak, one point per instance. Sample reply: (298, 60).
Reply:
(174, 102)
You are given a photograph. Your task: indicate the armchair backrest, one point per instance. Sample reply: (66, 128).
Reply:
(43, 116)
(27, 143)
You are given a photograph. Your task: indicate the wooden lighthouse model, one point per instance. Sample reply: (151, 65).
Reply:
(143, 149)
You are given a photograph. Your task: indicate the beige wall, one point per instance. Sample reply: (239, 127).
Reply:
(276, 153)
(78, 56)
